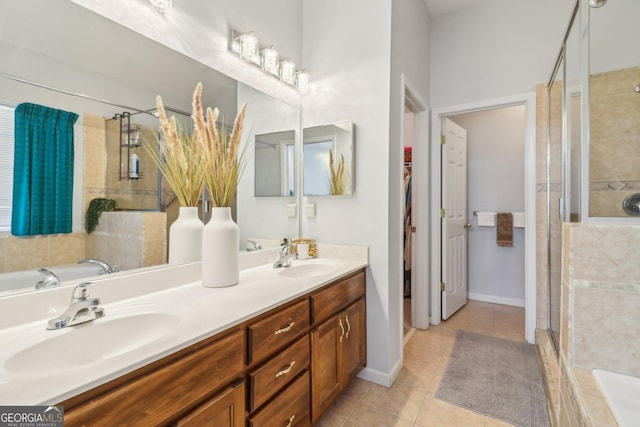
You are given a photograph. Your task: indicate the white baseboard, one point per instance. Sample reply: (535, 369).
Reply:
(381, 378)
(496, 300)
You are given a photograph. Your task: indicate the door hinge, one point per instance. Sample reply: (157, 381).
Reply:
(442, 286)
(413, 228)
(443, 139)
(442, 213)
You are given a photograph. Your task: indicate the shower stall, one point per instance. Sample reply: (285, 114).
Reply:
(592, 124)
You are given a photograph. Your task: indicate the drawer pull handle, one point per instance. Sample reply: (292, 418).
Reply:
(346, 318)
(286, 370)
(341, 328)
(293, 417)
(285, 329)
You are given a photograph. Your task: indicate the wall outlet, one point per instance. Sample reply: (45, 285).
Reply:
(292, 210)
(310, 210)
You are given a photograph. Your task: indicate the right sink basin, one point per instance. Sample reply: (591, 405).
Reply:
(308, 268)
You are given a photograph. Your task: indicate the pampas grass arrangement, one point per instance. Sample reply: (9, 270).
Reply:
(222, 161)
(336, 180)
(179, 160)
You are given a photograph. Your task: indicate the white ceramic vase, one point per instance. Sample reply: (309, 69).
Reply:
(220, 250)
(185, 237)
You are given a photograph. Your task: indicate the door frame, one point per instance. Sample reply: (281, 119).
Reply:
(419, 204)
(529, 101)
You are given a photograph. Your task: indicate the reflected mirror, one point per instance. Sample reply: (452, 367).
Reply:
(43, 47)
(328, 160)
(275, 164)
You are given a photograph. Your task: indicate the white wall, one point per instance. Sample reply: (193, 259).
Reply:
(349, 58)
(263, 217)
(410, 25)
(495, 183)
(498, 49)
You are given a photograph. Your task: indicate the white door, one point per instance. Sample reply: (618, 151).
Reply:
(454, 221)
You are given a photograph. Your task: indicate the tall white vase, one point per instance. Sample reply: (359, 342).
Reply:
(220, 250)
(185, 237)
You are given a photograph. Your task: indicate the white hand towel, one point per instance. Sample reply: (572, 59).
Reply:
(487, 219)
(518, 219)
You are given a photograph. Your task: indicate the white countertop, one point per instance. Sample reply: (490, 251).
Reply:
(202, 313)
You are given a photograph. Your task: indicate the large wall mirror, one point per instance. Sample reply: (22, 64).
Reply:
(50, 45)
(328, 160)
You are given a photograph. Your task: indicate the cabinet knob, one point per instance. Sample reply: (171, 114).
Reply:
(286, 370)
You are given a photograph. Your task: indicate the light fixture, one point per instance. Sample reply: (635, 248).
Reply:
(160, 5)
(302, 80)
(288, 71)
(246, 46)
(270, 60)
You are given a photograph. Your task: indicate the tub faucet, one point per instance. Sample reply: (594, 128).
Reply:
(105, 267)
(48, 279)
(81, 309)
(284, 257)
(252, 245)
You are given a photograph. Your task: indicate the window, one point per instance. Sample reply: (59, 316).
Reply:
(6, 165)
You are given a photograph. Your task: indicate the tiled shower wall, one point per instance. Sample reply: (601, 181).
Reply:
(614, 139)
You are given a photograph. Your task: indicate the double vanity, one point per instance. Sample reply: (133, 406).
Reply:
(276, 349)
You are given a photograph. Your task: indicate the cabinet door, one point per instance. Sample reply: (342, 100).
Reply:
(226, 409)
(353, 345)
(325, 374)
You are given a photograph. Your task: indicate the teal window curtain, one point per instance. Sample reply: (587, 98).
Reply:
(43, 171)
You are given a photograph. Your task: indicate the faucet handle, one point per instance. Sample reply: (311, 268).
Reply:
(80, 292)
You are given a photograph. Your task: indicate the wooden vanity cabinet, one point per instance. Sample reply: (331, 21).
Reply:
(282, 368)
(338, 344)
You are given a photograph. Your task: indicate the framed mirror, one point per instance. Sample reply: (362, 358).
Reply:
(41, 46)
(328, 160)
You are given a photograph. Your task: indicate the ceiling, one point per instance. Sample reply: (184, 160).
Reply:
(440, 7)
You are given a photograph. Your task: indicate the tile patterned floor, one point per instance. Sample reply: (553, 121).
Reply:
(411, 402)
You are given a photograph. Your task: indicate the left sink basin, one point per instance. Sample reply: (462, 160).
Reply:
(121, 331)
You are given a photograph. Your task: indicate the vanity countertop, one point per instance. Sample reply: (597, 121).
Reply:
(197, 313)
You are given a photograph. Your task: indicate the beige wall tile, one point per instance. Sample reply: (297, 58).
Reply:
(602, 253)
(606, 333)
(27, 252)
(67, 248)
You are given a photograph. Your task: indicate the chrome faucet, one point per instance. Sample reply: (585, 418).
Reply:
(105, 267)
(82, 309)
(284, 257)
(48, 279)
(252, 245)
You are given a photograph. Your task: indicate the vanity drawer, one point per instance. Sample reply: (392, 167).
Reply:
(155, 398)
(290, 408)
(277, 372)
(334, 298)
(271, 333)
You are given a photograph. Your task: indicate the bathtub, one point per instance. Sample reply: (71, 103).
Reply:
(622, 393)
(25, 280)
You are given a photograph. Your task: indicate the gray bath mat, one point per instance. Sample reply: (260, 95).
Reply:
(495, 377)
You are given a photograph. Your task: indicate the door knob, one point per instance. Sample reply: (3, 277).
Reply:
(467, 225)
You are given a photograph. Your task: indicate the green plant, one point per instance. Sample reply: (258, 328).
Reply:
(336, 179)
(95, 209)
